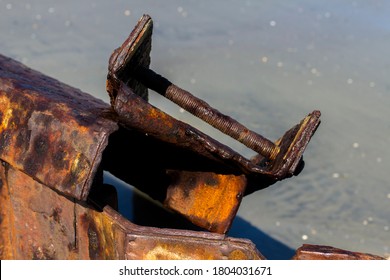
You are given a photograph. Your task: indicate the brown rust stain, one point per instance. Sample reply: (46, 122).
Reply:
(43, 220)
(51, 131)
(207, 199)
(43, 253)
(6, 217)
(98, 235)
(94, 243)
(181, 245)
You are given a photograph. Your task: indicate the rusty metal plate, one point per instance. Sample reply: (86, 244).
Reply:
(147, 243)
(206, 199)
(320, 252)
(51, 131)
(137, 49)
(36, 222)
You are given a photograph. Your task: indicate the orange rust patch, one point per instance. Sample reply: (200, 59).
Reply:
(206, 199)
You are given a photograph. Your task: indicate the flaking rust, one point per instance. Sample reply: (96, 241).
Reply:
(50, 131)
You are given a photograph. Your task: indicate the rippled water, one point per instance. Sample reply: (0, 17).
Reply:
(266, 63)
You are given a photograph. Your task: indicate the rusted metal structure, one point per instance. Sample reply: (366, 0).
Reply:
(194, 194)
(55, 142)
(53, 139)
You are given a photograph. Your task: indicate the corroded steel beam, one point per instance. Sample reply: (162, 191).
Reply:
(37, 222)
(54, 133)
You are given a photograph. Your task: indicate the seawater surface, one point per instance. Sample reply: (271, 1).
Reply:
(267, 64)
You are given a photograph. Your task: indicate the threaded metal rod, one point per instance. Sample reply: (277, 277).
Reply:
(204, 111)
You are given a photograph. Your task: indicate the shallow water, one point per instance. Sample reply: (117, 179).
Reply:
(266, 63)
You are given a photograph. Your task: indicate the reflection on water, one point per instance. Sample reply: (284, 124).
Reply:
(266, 63)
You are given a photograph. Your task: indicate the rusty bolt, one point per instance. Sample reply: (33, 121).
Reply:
(204, 111)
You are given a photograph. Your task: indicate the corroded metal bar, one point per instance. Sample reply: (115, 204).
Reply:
(134, 113)
(51, 131)
(204, 111)
(130, 63)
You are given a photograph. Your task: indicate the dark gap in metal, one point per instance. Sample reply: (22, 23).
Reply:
(133, 178)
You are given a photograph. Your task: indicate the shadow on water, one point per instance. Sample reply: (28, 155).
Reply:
(141, 210)
(271, 248)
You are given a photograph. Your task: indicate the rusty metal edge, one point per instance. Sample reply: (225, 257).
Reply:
(162, 233)
(18, 77)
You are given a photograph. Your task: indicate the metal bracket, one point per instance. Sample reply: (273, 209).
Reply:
(129, 77)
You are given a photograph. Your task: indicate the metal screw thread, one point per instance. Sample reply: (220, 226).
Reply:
(224, 123)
